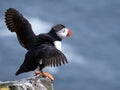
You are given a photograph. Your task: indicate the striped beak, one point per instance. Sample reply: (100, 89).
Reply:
(69, 33)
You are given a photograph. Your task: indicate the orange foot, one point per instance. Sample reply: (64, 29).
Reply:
(45, 74)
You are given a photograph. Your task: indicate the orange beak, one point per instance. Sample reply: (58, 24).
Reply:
(69, 33)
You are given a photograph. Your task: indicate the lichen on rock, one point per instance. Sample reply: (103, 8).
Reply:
(37, 82)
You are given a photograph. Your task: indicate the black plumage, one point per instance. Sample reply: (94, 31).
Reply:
(41, 49)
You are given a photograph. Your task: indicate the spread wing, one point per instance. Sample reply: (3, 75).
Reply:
(50, 56)
(44, 55)
(17, 23)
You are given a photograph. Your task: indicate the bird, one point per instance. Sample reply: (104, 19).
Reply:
(42, 50)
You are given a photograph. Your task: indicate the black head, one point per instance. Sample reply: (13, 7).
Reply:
(58, 27)
(59, 32)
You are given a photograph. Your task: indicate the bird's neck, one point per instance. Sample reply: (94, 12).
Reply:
(58, 44)
(54, 35)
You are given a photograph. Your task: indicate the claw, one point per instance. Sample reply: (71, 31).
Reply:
(37, 72)
(48, 75)
(45, 74)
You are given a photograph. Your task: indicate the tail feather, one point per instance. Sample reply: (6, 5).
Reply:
(21, 70)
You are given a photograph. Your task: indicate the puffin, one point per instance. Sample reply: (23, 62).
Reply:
(42, 50)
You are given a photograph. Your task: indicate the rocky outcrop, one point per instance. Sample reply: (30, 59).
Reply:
(33, 83)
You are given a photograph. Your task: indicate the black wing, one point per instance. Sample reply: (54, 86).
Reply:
(50, 56)
(17, 23)
(47, 54)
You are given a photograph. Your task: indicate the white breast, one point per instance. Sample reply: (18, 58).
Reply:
(57, 45)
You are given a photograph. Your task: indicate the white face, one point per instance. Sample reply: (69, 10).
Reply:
(62, 33)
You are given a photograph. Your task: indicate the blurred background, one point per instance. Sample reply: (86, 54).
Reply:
(93, 51)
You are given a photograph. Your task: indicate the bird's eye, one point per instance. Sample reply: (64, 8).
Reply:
(63, 30)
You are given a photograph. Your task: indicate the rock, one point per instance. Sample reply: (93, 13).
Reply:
(33, 83)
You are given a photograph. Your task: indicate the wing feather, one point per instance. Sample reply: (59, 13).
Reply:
(57, 61)
(54, 56)
(17, 23)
